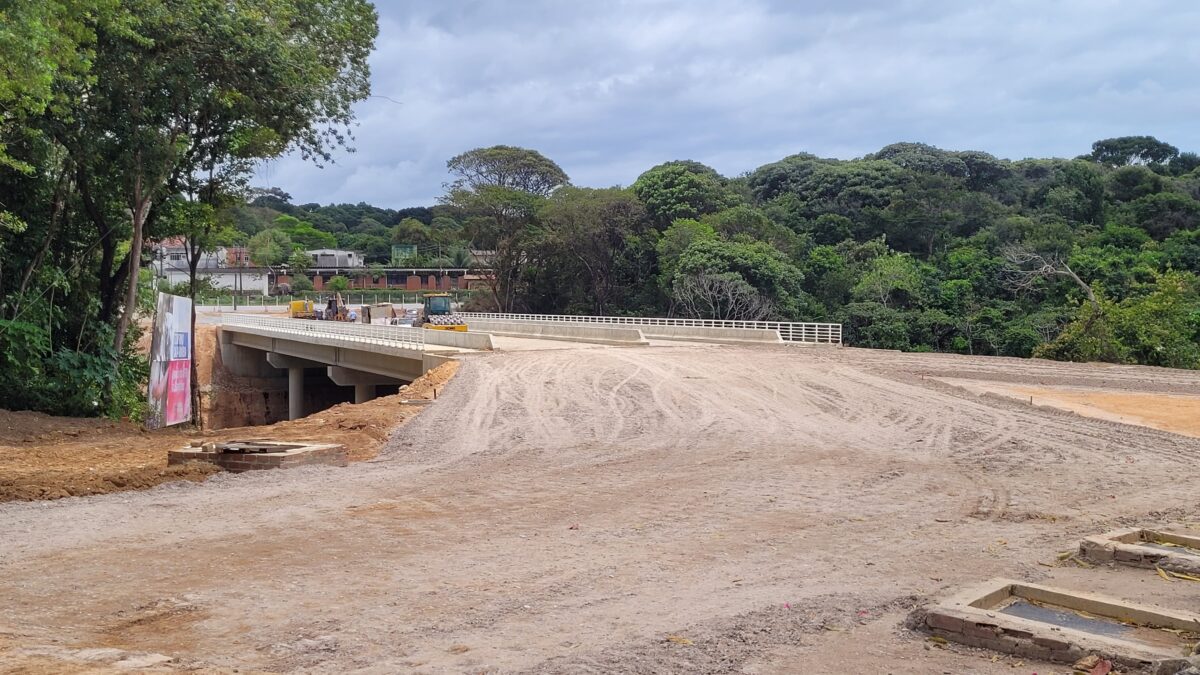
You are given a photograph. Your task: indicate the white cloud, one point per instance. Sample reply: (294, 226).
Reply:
(610, 89)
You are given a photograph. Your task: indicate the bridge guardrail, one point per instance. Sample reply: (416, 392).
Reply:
(789, 331)
(384, 336)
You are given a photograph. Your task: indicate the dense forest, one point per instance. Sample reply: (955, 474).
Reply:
(911, 247)
(125, 123)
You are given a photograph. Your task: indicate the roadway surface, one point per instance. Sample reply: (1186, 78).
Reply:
(677, 509)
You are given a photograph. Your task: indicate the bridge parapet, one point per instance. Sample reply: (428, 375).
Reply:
(363, 337)
(789, 331)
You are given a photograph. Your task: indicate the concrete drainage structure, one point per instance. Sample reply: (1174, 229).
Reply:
(1140, 547)
(256, 455)
(1064, 626)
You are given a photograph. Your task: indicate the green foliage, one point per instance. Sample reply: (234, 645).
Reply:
(681, 190)
(505, 166)
(64, 381)
(757, 263)
(303, 234)
(1164, 213)
(299, 261)
(269, 247)
(1133, 150)
(135, 121)
(1133, 182)
(1161, 328)
(890, 279)
(301, 284)
(338, 284)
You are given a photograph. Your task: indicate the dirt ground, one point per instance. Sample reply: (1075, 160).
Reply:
(1177, 413)
(688, 509)
(43, 457)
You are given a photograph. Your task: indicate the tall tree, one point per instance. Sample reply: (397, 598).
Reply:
(1133, 150)
(501, 190)
(203, 87)
(592, 227)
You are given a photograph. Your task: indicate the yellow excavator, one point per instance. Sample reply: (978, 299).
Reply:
(438, 314)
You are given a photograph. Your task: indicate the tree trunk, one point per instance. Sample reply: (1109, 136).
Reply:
(56, 210)
(141, 206)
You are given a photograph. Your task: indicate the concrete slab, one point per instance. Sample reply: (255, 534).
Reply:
(570, 332)
(507, 343)
(1064, 626)
(257, 455)
(1141, 547)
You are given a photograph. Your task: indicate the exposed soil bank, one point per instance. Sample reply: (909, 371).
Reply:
(44, 457)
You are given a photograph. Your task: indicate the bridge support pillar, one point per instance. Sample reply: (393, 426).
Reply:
(295, 393)
(363, 392)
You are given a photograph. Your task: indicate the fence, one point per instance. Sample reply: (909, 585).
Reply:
(789, 331)
(398, 337)
(225, 303)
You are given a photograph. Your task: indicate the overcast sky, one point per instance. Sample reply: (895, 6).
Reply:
(609, 89)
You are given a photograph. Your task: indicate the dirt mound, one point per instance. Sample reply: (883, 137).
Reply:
(45, 457)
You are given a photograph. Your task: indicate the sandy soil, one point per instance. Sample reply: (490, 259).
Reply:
(43, 457)
(1177, 413)
(678, 509)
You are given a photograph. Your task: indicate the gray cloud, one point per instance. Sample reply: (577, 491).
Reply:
(610, 89)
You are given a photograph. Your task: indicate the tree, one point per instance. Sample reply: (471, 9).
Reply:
(269, 248)
(303, 234)
(681, 190)
(508, 167)
(724, 297)
(272, 197)
(748, 222)
(199, 91)
(1027, 266)
(757, 263)
(1126, 150)
(928, 209)
(411, 231)
(924, 159)
(501, 189)
(1164, 213)
(888, 276)
(592, 227)
(1133, 182)
(338, 284)
(299, 262)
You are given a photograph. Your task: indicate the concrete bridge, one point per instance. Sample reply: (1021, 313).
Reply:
(367, 357)
(358, 355)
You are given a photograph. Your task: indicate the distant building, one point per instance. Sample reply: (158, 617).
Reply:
(224, 267)
(332, 258)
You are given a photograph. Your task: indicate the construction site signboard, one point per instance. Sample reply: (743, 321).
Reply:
(170, 394)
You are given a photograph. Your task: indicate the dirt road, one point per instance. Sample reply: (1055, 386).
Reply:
(668, 509)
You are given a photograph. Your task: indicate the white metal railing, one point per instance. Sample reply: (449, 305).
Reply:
(789, 331)
(385, 336)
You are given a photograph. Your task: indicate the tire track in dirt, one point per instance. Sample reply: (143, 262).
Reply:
(567, 510)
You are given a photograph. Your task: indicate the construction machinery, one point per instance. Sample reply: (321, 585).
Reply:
(301, 309)
(336, 310)
(379, 313)
(437, 313)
